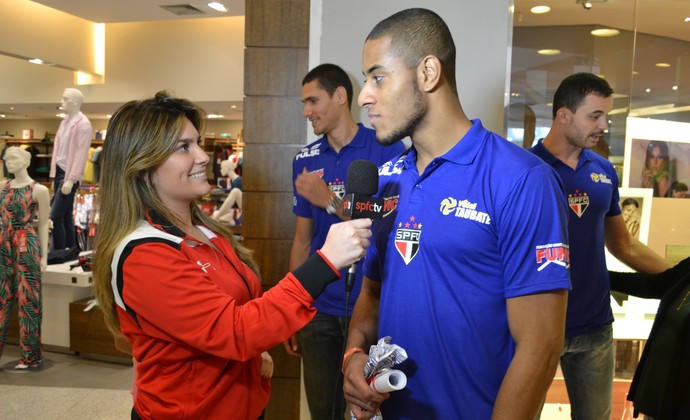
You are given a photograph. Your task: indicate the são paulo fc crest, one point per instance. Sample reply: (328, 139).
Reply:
(407, 239)
(578, 202)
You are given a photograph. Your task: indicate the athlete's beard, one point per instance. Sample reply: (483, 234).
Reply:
(577, 139)
(419, 110)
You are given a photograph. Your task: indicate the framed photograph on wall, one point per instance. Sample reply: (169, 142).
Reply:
(636, 207)
(657, 156)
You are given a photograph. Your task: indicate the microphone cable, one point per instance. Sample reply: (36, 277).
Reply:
(338, 395)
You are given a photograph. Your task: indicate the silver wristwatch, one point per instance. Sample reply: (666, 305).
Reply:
(334, 204)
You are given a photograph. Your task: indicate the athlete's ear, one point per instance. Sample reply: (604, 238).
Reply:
(429, 72)
(341, 95)
(562, 114)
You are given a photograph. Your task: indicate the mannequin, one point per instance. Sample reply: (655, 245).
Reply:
(70, 152)
(234, 183)
(3, 144)
(20, 276)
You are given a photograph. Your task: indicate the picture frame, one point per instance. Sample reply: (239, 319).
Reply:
(636, 207)
(657, 157)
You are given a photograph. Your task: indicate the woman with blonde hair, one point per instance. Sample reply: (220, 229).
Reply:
(656, 173)
(176, 283)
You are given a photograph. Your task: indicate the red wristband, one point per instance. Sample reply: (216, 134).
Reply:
(349, 354)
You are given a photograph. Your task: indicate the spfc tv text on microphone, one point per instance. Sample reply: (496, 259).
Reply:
(359, 206)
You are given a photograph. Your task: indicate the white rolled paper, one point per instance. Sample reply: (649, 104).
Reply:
(388, 380)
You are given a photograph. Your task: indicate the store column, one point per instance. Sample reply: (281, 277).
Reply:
(276, 59)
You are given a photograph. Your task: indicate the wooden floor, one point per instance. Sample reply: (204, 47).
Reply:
(558, 395)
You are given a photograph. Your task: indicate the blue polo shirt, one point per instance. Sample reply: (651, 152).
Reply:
(592, 193)
(319, 157)
(481, 225)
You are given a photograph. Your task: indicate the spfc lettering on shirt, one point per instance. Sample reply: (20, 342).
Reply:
(338, 187)
(552, 253)
(407, 239)
(578, 202)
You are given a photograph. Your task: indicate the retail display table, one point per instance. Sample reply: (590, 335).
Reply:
(61, 286)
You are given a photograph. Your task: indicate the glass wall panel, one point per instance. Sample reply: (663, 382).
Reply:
(646, 59)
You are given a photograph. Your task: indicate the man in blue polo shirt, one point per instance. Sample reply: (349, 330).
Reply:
(468, 273)
(319, 172)
(580, 107)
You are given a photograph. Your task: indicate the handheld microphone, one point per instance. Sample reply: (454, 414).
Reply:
(361, 183)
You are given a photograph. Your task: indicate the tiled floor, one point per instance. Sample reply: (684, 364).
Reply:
(82, 388)
(74, 388)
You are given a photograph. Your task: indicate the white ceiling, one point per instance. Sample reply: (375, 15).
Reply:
(657, 29)
(663, 18)
(654, 17)
(111, 11)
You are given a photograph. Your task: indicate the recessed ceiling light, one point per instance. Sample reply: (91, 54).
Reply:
(36, 61)
(215, 116)
(675, 88)
(217, 6)
(604, 32)
(549, 51)
(687, 19)
(663, 65)
(540, 10)
(648, 90)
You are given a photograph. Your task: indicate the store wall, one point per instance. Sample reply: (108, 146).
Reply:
(32, 30)
(40, 127)
(200, 59)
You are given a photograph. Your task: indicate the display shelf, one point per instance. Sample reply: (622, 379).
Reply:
(88, 334)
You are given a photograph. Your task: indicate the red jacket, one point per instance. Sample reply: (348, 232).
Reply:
(196, 326)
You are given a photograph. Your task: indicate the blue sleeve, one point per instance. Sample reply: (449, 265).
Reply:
(614, 206)
(533, 235)
(300, 206)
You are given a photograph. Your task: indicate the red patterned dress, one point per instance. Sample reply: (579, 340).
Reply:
(20, 271)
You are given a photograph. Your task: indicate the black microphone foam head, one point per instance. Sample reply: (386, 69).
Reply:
(362, 178)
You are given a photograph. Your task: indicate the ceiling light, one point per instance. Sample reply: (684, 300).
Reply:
(687, 19)
(2, 115)
(648, 90)
(215, 116)
(663, 65)
(675, 88)
(36, 61)
(587, 5)
(540, 10)
(217, 6)
(549, 51)
(604, 32)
